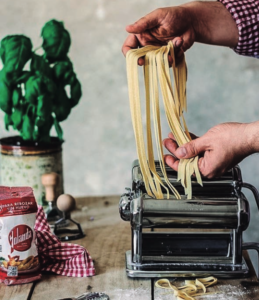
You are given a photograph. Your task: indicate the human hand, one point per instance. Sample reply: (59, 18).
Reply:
(159, 27)
(220, 149)
(197, 21)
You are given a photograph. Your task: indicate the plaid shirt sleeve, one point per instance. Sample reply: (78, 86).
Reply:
(246, 16)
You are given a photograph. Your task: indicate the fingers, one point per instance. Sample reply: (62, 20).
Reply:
(177, 42)
(212, 161)
(192, 149)
(134, 41)
(172, 162)
(170, 60)
(141, 61)
(193, 136)
(196, 147)
(203, 166)
(170, 145)
(178, 51)
(149, 21)
(131, 42)
(188, 40)
(171, 136)
(212, 165)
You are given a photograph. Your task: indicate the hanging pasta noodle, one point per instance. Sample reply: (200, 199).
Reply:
(157, 73)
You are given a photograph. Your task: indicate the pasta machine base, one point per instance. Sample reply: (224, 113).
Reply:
(188, 238)
(187, 269)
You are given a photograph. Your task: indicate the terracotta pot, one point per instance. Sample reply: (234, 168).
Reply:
(23, 163)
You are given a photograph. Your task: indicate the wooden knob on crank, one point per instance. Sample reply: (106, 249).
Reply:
(66, 203)
(50, 182)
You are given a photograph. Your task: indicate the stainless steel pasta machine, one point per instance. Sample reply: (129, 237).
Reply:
(187, 238)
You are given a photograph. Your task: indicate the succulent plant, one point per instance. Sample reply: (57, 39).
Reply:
(34, 99)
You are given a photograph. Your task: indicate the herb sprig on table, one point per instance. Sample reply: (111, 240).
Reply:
(36, 98)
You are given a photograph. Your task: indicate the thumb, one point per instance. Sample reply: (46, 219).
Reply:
(191, 149)
(177, 42)
(149, 21)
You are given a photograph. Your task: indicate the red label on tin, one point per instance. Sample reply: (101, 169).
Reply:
(20, 238)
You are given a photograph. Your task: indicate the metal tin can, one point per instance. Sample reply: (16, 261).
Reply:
(24, 162)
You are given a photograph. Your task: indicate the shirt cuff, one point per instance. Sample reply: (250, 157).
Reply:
(246, 15)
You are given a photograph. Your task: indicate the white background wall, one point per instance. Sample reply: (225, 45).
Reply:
(99, 144)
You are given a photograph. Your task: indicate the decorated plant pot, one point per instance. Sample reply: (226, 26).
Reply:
(23, 163)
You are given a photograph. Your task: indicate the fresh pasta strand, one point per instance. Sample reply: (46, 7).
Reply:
(191, 289)
(157, 75)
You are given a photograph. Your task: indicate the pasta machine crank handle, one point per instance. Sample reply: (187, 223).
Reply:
(253, 190)
(252, 246)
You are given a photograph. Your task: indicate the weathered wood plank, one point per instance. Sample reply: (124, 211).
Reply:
(16, 292)
(108, 237)
(226, 289)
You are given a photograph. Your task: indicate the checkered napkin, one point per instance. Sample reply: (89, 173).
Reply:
(60, 258)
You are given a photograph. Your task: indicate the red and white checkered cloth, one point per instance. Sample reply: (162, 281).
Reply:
(60, 258)
(246, 16)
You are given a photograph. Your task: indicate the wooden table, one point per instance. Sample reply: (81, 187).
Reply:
(107, 239)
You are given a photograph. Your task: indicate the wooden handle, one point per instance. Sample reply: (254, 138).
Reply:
(50, 182)
(66, 203)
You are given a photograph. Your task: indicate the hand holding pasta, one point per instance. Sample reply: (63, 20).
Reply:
(157, 28)
(220, 149)
(204, 22)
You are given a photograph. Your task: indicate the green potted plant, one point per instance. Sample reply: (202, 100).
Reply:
(37, 92)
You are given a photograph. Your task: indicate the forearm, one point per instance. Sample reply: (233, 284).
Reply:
(252, 135)
(213, 24)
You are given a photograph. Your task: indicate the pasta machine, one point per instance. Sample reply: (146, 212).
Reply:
(188, 238)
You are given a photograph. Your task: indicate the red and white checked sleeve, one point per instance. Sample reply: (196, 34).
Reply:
(246, 16)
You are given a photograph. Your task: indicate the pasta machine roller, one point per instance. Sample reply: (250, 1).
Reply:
(188, 238)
